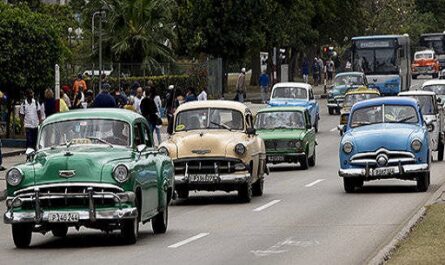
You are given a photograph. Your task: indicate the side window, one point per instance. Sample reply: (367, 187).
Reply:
(138, 138)
(147, 137)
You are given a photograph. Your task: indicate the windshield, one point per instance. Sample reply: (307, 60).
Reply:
(349, 80)
(437, 45)
(426, 104)
(207, 118)
(290, 92)
(94, 131)
(376, 61)
(384, 114)
(351, 99)
(280, 120)
(419, 56)
(438, 89)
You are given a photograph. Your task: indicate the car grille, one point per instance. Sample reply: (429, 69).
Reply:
(392, 158)
(208, 166)
(66, 195)
(278, 145)
(424, 68)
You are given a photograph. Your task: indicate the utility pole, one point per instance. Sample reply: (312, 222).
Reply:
(101, 15)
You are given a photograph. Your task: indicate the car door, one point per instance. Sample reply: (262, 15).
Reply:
(254, 146)
(310, 134)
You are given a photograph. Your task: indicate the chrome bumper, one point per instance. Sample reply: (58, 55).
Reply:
(222, 179)
(334, 105)
(398, 171)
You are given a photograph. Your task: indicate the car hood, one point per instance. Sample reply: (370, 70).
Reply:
(86, 162)
(281, 134)
(392, 136)
(207, 143)
(341, 90)
(288, 102)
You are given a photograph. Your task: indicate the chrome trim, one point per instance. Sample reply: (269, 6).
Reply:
(383, 150)
(399, 170)
(70, 184)
(374, 162)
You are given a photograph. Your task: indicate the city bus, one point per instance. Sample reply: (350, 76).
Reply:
(436, 42)
(385, 60)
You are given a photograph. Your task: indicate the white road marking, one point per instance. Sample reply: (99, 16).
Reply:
(188, 240)
(267, 205)
(313, 183)
(333, 129)
(283, 246)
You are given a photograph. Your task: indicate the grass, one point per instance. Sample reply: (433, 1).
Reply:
(426, 243)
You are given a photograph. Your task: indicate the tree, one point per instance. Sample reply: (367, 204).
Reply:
(30, 48)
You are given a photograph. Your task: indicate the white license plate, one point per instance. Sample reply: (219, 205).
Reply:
(276, 158)
(203, 178)
(63, 217)
(387, 171)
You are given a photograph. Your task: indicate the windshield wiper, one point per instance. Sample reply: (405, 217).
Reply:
(100, 140)
(406, 119)
(221, 125)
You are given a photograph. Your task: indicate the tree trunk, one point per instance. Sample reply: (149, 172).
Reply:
(293, 64)
(255, 64)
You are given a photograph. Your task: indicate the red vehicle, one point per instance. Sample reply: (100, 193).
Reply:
(425, 63)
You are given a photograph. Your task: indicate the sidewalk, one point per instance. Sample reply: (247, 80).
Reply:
(9, 151)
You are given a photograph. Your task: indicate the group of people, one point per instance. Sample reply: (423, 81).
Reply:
(319, 69)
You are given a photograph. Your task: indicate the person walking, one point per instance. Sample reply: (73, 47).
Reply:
(149, 111)
(330, 69)
(89, 99)
(315, 71)
(264, 82)
(305, 70)
(241, 86)
(104, 99)
(30, 117)
(49, 103)
(320, 69)
(138, 99)
(79, 84)
(170, 107)
(157, 100)
(203, 95)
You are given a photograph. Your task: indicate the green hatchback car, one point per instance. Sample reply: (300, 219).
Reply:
(95, 168)
(288, 135)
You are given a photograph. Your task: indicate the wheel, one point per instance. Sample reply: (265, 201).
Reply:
(257, 187)
(60, 230)
(22, 234)
(312, 159)
(183, 194)
(331, 111)
(440, 151)
(160, 221)
(245, 192)
(130, 230)
(304, 163)
(414, 76)
(350, 184)
(316, 126)
(423, 181)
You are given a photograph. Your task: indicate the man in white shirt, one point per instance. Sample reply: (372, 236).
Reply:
(203, 95)
(138, 99)
(30, 116)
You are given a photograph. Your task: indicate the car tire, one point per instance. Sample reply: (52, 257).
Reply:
(304, 163)
(22, 234)
(423, 182)
(60, 230)
(351, 184)
(312, 159)
(245, 192)
(440, 151)
(160, 222)
(331, 111)
(183, 194)
(130, 230)
(258, 187)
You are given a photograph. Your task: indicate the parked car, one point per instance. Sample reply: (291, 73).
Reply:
(95, 168)
(296, 94)
(288, 135)
(352, 97)
(436, 86)
(214, 146)
(342, 83)
(385, 138)
(432, 111)
(425, 63)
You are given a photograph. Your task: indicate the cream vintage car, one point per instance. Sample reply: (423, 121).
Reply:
(214, 146)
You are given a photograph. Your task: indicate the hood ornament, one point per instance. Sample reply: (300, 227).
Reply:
(67, 173)
(201, 152)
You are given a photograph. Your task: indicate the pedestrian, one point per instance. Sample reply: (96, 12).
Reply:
(241, 86)
(78, 99)
(203, 95)
(130, 104)
(31, 117)
(330, 69)
(170, 107)
(305, 70)
(89, 99)
(315, 71)
(65, 95)
(149, 111)
(49, 103)
(79, 84)
(264, 82)
(157, 100)
(119, 98)
(348, 66)
(104, 99)
(190, 95)
(321, 69)
(138, 99)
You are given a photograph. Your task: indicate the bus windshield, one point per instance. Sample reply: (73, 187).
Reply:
(376, 61)
(434, 42)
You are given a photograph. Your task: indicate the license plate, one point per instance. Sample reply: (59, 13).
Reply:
(63, 217)
(276, 158)
(203, 178)
(384, 171)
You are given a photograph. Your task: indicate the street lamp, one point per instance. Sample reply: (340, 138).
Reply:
(101, 15)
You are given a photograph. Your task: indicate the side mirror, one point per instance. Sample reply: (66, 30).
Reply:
(30, 153)
(251, 131)
(429, 125)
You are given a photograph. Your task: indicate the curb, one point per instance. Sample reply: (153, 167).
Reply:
(14, 153)
(384, 254)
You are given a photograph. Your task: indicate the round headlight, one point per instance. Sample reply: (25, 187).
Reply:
(416, 145)
(240, 149)
(120, 173)
(347, 148)
(14, 177)
(163, 150)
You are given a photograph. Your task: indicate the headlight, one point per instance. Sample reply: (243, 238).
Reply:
(120, 173)
(347, 148)
(294, 144)
(163, 150)
(240, 149)
(14, 177)
(416, 145)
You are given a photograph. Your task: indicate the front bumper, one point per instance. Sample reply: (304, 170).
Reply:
(335, 105)
(222, 179)
(397, 171)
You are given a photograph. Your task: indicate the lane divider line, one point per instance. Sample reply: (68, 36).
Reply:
(188, 240)
(314, 183)
(265, 206)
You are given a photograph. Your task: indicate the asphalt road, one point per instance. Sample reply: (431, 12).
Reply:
(304, 217)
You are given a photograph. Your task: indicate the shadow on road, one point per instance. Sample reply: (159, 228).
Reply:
(206, 200)
(394, 188)
(286, 167)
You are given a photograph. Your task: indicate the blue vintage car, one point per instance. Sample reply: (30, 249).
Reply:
(296, 94)
(342, 83)
(385, 138)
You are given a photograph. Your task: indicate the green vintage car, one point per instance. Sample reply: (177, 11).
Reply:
(288, 135)
(95, 168)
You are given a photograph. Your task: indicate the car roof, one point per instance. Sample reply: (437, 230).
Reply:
(417, 93)
(424, 51)
(434, 82)
(378, 37)
(223, 104)
(349, 73)
(293, 84)
(99, 113)
(284, 108)
(386, 100)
